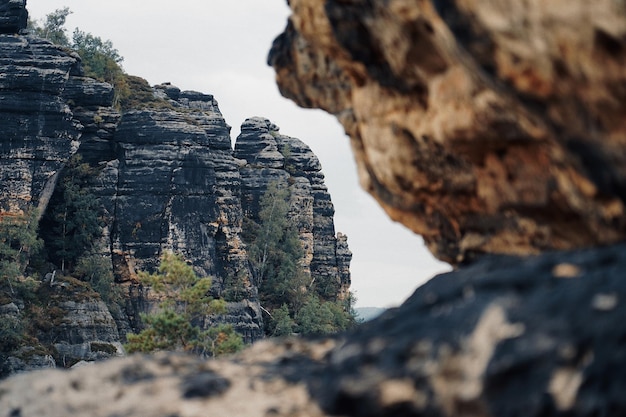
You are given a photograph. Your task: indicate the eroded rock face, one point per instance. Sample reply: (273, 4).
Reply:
(485, 127)
(13, 16)
(272, 157)
(39, 131)
(538, 336)
(172, 184)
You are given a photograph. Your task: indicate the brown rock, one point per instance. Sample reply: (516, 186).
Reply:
(483, 126)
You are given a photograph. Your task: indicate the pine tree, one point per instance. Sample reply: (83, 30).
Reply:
(53, 27)
(18, 240)
(294, 303)
(71, 225)
(177, 323)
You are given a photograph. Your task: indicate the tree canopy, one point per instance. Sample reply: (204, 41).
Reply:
(100, 59)
(294, 302)
(179, 320)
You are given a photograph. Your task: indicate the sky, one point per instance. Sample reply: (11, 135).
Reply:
(220, 48)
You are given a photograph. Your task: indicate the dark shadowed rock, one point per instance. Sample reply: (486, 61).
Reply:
(13, 16)
(39, 132)
(272, 157)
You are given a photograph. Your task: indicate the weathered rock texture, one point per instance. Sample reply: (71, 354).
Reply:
(167, 181)
(175, 187)
(484, 126)
(39, 133)
(275, 158)
(507, 336)
(13, 16)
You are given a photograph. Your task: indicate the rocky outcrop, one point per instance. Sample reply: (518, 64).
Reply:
(39, 132)
(540, 336)
(272, 157)
(13, 16)
(169, 182)
(485, 127)
(166, 180)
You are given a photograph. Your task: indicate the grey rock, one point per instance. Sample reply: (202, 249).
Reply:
(13, 16)
(39, 132)
(275, 158)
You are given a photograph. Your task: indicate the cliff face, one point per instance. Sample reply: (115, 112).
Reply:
(39, 132)
(507, 336)
(275, 158)
(173, 185)
(484, 127)
(166, 180)
(494, 84)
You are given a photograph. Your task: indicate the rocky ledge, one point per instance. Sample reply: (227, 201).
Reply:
(541, 334)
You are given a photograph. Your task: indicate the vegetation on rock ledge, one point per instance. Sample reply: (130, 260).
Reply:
(180, 320)
(295, 302)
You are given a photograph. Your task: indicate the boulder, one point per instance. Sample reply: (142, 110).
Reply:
(485, 127)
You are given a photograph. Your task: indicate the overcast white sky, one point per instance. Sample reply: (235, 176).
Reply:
(220, 48)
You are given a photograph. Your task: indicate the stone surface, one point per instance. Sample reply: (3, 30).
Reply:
(486, 127)
(39, 132)
(169, 182)
(272, 157)
(507, 336)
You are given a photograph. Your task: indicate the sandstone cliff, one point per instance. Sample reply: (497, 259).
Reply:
(274, 157)
(538, 336)
(483, 126)
(165, 179)
(39, 132)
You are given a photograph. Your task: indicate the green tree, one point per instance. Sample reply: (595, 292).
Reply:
(276, 251)
(281, 322)
(294, 302)
(53, 27)
(18, 240)
(177, 324)
(98, 272)
(71, 225)
(100, 59)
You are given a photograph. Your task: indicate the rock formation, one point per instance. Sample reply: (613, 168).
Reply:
(167, 180)
(273, 157)
(485, 127)
(32, 113)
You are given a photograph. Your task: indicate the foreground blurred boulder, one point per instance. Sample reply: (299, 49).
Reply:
(485, 126)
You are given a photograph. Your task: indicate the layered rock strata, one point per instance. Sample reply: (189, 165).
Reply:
(166, 180)
(172, 184)
(272, 157)
(537, 336)
(13, 16)
(39, 132)
(485, 127)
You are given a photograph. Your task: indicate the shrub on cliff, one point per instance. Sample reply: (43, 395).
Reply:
(100, 59)
(18, 240)
(52, 27)
(294, 302)
(179, 320)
